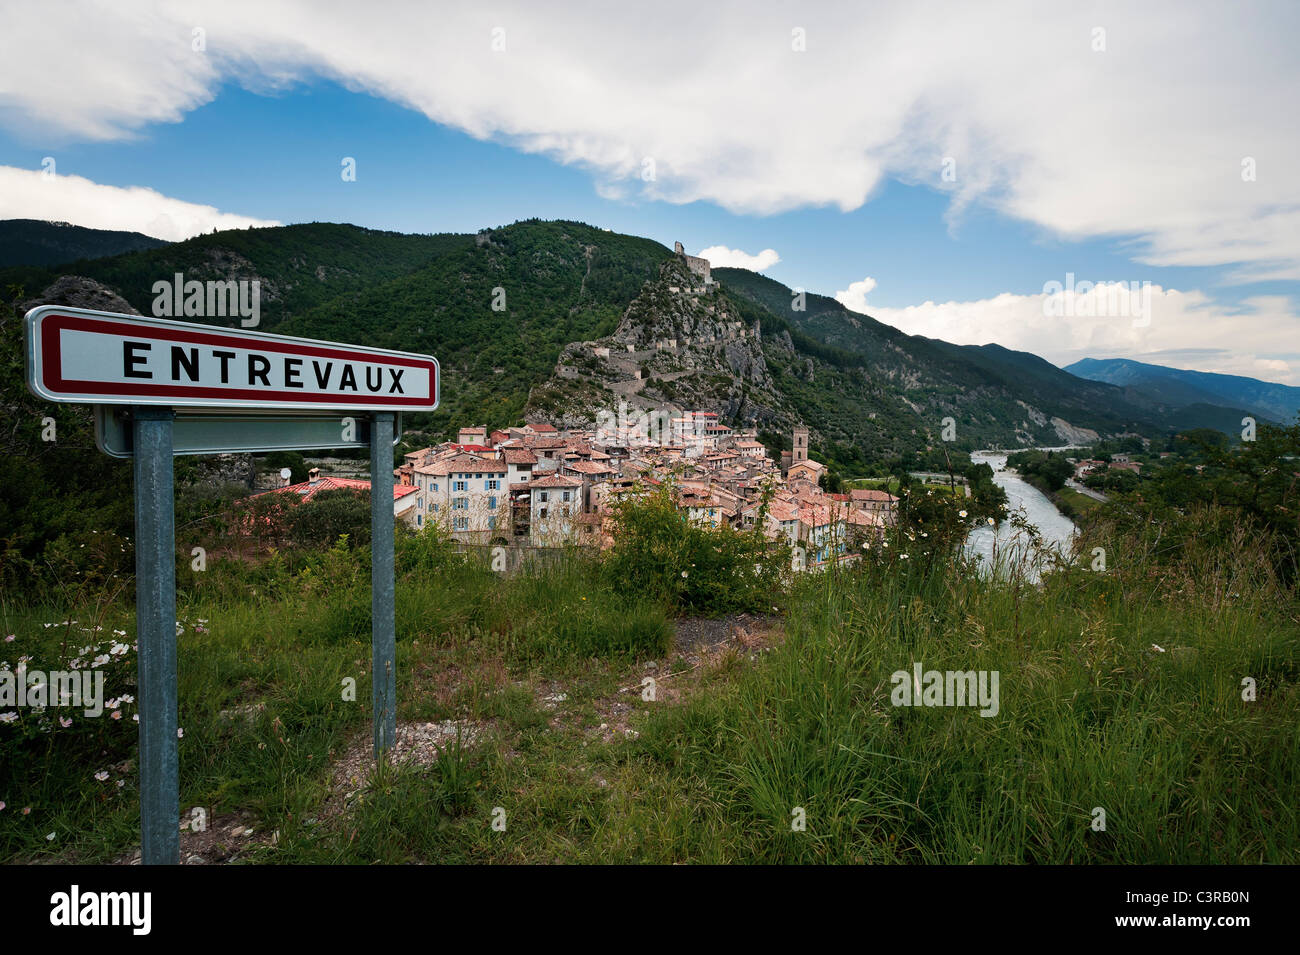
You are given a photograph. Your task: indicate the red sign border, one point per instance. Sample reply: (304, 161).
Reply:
(45, 322)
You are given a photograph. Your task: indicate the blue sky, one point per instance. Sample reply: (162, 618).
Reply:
(1116, 164)
(278, 156)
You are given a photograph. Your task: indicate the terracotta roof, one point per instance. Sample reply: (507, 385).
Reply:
(870, 494)
(547, 444)
(555, 480)
(543, 428)
(589, 467)
(519, 456)
(460, 463)
(309, 489)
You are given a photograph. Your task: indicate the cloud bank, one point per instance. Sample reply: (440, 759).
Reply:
(721, 257)
(1164, 123)
(32, 194)
(1260, 339)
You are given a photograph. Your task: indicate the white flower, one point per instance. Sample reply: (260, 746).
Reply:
(961, 513)
(180, 732)
(101, 775)
(1158, 648)
(990, 520)
(50, 836)
(8, 717)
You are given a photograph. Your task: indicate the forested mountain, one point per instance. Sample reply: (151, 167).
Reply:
(35, 242)
(500, 308)
(1187, 390)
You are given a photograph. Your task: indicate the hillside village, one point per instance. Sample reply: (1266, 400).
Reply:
(540, 486)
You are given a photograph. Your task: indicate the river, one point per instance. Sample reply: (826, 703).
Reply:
(1005, 542)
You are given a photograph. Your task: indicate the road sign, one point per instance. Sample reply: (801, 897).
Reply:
(89, 357)
(198, 431)
(85, 357)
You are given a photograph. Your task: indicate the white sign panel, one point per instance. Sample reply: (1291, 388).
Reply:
(88, 357)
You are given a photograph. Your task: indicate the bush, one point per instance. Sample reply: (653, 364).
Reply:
(687, 566)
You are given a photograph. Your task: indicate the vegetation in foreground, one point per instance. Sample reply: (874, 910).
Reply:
(1162, 691)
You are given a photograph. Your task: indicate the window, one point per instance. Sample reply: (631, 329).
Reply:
(419, 520)
(541, 496)
(420, 503)
(494, 485)
(477, 476)
(492, 503)
(459, 486)
(460, 504)
(492, 523)
(435, 485)
(566, 495)
(435, 508)
(462, 523)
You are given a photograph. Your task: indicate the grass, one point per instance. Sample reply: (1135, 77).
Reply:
(1119, 691)
(1077, 506)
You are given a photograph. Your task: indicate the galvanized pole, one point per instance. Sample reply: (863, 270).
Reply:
(383, 662)
(155, 624)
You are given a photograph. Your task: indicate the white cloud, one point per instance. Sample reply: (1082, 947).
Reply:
(855, 296)
(1144, 141)
(721, 257)
(1261, 338)
(31, 194)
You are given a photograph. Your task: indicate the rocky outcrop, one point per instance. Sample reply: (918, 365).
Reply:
(1071, 434)
(681, 344)
(76, 291)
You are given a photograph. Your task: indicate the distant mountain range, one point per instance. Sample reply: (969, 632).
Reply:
(36, 242)
(521, 317)
(1193, 391)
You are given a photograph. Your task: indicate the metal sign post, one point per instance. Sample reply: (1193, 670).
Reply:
(155, 628)
(167, 371)
(383, 623)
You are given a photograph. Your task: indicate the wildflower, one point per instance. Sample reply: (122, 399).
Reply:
(100, 660)
(683, 574)
(121, 783)
(50, 836)
(180, 732)
(102, 775)
(961, 513)
(65, 721)
(136, 717)
(9, 639)
(990, 520)
(27, 810)
(1158, 648)
(116, 714)
(2, 805)
(8, 717)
